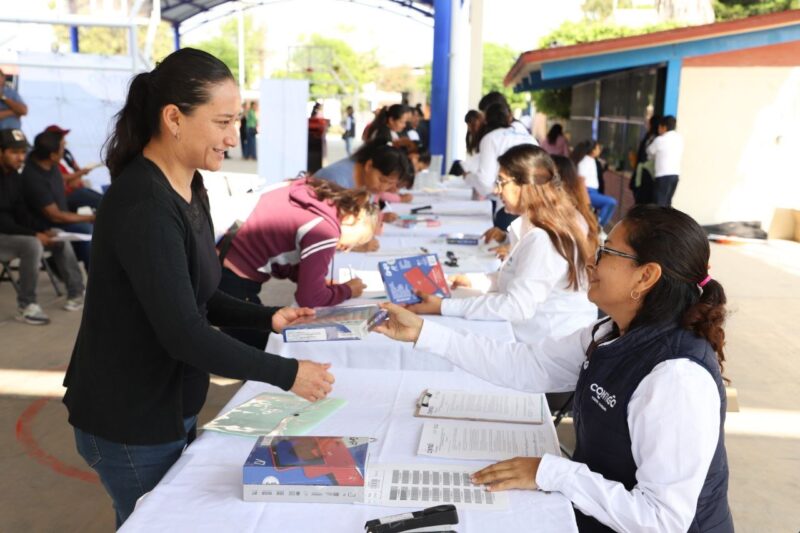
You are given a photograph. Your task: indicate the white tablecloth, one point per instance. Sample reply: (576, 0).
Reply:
(203, 490)
(377, 351)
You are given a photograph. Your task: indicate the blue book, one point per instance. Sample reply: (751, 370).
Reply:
(338, 323)
(306, 469)
(404, 276)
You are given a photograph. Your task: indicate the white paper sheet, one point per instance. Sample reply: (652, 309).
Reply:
(518, 408)
(425, 485)
(484, 441)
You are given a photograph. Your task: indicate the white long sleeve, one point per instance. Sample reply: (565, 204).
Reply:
(673, 417)
(493, 145)
(537, 269)
(551, 365)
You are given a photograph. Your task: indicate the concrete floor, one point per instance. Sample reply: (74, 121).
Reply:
(47, 487)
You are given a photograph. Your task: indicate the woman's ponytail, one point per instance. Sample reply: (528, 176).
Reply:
(706, 318)
(132, 130)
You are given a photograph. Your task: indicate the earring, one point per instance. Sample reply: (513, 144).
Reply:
(635, 295)
(177, 135)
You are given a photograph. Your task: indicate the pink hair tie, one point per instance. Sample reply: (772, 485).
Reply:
(705, 281)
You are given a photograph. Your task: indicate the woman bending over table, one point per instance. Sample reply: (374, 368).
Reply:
(292, 233)
(649, 407)
(541, 285)
(139, 371)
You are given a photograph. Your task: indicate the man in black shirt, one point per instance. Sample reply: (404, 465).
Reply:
(44, 193)
(21, 237)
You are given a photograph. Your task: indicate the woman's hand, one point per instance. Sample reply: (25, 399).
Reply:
(430, 305)
(356, 287)
(494, 234)
(402, 324)
(500, 251)
(313, 381)
(516, 473)
(286, 315)
(406, 198)
(459, 280)
(390, 217)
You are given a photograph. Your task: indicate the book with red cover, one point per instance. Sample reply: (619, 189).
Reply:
(404, 276)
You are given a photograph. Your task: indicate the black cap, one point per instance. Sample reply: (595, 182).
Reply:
(13, 138)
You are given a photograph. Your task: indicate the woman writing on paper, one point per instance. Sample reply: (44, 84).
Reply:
(292, 233)
(139, 371)
(650, 401)
(541, 285)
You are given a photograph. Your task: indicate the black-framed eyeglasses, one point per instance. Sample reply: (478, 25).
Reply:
(610, 251)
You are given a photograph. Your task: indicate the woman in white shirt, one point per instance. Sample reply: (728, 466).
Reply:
(585, 157)
(496, 136)
(541, 285)
(650, 401)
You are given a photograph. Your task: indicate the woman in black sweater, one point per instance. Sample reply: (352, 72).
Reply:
(138, 376)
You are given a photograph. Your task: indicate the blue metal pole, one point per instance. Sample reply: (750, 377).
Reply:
(176, 34)
(74, 39)
(672, 87)
(440, 77)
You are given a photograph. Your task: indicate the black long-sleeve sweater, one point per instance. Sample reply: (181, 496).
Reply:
(146, 326)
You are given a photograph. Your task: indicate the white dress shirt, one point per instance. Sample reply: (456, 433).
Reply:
(493, 145)
(587, 169)
(666, 151)
(673, 419)
(530, 290)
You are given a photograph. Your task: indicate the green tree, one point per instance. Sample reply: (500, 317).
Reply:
(497, 61)
(734, 9)
(331, 65)
(225, 46)
(556, 102)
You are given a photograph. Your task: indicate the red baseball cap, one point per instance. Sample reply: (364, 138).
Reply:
(56, 129)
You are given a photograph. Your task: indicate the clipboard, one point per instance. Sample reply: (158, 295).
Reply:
(423, 402)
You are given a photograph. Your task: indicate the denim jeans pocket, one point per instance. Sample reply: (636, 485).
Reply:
(87, 447)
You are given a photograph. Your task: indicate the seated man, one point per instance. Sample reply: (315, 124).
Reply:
(44, 193)
(76, 189)
(20, 237)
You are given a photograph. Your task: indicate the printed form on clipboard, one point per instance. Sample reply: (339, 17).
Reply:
(486, 407)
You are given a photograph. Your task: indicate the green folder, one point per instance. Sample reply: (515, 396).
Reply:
(283, 414)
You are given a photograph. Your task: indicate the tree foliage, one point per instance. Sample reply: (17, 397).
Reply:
(734, 9)
(497, 61)
(331, 65)
(114, 41)
(225, 46)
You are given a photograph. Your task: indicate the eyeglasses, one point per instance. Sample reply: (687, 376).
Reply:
(610, 251)
(500, 183)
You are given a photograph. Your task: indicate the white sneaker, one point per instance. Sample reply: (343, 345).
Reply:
(32, 314)
(74, 304)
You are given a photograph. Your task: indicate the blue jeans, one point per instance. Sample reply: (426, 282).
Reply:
(603, 204)
(83, 250)
(663, 190)
(83, 196)
(129, 471)
(251, 144)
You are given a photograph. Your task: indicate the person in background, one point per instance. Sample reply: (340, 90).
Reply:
(556, 142)
(43, 188)
(642, 180)
(21, 238)
(293, 233)
(666, 151)
(252, 130)
(12, 106)
(422, 125)
(389, 123)
(375, 166)
(139, 372)
(585, 157)
(496, 97)
(349, 126)
(541, 285)
(650, 400)
(494, 139)
(575, 187)
(410, 132)
(243, 130)
(78, 193)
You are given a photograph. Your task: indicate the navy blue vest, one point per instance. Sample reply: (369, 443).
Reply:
(605, 385)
